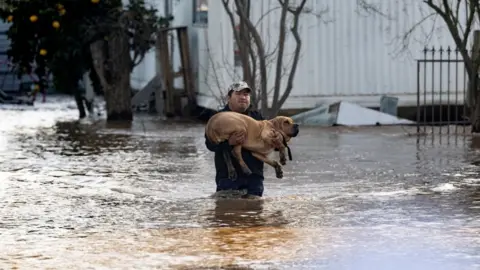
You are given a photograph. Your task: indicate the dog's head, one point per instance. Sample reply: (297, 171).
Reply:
(286, 126)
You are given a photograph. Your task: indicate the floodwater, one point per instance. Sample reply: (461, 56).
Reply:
(90, 196)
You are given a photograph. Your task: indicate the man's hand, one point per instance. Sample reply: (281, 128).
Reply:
(237, 138)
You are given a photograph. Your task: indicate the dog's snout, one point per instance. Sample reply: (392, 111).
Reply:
(295, 130)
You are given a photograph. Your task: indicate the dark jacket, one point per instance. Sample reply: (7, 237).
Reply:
(255, 165)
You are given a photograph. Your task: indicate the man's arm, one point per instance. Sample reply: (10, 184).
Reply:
(258, 116)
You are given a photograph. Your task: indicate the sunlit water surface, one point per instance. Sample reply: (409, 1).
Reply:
(90, 196)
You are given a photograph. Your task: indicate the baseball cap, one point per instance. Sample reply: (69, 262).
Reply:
(238, 86)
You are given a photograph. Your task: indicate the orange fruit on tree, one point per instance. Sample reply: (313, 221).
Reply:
(43, 52)
(33, 18)
(55, 24)
(95, 1)
(62, 12)
(10, 18)
(59, 6)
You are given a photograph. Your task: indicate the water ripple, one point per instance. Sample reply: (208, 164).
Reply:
(82, 195)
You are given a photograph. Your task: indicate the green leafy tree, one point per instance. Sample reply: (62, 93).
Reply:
(70, 37)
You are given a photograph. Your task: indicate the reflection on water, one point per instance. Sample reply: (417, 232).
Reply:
(77, 195)
(75, 139)
(242, 213)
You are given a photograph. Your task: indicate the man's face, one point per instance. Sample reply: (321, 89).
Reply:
(239, 100)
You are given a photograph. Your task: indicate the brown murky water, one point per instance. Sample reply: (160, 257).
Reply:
(86, 196)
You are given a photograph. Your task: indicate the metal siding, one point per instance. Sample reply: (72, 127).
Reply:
(354, 55)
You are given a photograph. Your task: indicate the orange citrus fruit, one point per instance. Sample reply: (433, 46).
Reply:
(10, 18)
(33, 18)
(43, 52)
(55, 24)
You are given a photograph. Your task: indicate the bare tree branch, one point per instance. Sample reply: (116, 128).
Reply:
(260, 51)
(470, 18)
(236, 34)
(264, 15)
(446, 16)
(213, 68)
(296, 13)
(258, 62)
(405, 37)
(372, 9)
(281, 48)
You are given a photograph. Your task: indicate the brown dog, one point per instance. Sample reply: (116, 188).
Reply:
(262, 137)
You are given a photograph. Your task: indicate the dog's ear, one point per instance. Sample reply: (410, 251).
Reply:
(277, 123)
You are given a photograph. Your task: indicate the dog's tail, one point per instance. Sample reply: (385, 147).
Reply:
(213, 135)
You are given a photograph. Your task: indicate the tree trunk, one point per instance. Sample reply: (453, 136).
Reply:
(476, 119)
(118, 99)
(113, 64)
(473, 93)
(118, 94)
(473, 104)
(260, 49)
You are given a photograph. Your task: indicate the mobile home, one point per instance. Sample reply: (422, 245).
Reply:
(349, 52)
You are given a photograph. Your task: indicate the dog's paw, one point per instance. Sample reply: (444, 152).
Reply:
(278, 171)
(279, 174)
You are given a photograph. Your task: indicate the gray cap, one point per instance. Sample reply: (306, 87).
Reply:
(238, 86)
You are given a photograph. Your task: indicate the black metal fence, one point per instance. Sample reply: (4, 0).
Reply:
(441, 91)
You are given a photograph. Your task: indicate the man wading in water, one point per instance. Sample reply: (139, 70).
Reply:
(249, 185)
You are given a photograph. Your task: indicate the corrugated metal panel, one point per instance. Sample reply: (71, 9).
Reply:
(347, 53)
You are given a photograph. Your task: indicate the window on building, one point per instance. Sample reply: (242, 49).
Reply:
(200, 11)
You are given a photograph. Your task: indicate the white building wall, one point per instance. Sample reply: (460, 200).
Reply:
(215, 58)
(182, 16)
(347, 54)
(146, 69)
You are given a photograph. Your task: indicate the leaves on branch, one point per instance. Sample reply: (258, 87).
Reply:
(80, 23)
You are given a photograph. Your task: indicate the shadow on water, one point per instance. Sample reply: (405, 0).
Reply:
(137, 196)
